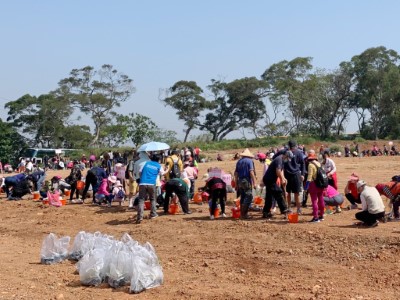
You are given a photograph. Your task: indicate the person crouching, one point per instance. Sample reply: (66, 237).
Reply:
(216, 187)
(373, 208)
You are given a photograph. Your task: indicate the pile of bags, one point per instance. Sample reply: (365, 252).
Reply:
(101, 258)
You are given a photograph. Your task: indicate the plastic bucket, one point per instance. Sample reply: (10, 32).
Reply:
(45, 202)
(67, 193)
(173, 209)
(147, 205)
(293, 218)
(36, 196)
(80, 185)
(63, 201)
(216, 212)
(257, 200)
(197, 198)
(235, 212)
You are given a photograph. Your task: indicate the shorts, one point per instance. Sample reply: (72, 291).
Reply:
(294, 183)
(133, 187)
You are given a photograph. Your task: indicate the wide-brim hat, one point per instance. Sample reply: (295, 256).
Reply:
(361, 183)
(118, 183)
(354, 177)
(112, 179)
(247, 153)
(119, 165)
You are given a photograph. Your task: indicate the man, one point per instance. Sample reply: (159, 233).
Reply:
(272, 180)
(132, 184)
(37, 178)
(139, 163)
(373, 208)
(181, 189)
(94, 177)
(12, 181)
(294, 171)
(174, 165)
(216, 187)
(147, 186)
(392, 191)
(245, 179)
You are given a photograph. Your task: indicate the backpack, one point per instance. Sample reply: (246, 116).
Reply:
(322, 179)
(121, 193)
(175, 170)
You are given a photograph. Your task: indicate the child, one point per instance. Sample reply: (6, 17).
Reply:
(103, 192)
(118, 192)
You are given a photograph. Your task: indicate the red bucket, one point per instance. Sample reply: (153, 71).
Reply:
(235, 212)
(80, 185)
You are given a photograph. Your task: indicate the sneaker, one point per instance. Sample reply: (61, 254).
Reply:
(189, 212)
(321, 218)
(267, 216)
(273, 210)
(374, 224)
(130, 207)
(299, 212)
(315, 220)
(338, 210)
(153, 217)
(329, 212)
(354, 206)
(109, 205)
(223, 215)
(138, 221)
(76, 201)
(212, 217)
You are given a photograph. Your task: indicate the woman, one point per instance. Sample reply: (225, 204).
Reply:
(216, 187)
(333, 198)
(330, 169)
(316, 193)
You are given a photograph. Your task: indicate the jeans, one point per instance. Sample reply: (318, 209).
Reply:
(39, 183)
(9, 182)
(353, 200)
(91, 180)
(274, 192)
(145, 190)
(334, 201)
(317, 200)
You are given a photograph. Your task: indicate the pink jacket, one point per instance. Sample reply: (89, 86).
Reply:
(330, 192)
(103, 189)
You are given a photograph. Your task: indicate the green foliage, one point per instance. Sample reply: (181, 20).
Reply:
(11, 144)
(359, 140)
(334, 148)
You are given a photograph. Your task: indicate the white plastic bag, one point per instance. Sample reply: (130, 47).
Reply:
(121, 268)
(54, 249)
(145, 276)
(92, 267)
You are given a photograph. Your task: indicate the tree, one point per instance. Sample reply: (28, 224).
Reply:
(11, 143)
(76, 137)
(166, 136)
(185, 97)
(140, 129)
(235, 104)
(115, 133)
(377, 76)
(42, 118)
(96, 93)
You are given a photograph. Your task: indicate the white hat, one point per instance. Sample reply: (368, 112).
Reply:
(112, 179)
(361, 183)
(118, 183)
(247, 153)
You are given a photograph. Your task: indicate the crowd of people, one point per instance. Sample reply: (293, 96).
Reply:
(291, 175)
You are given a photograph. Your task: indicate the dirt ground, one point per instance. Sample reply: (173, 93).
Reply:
(220, 259)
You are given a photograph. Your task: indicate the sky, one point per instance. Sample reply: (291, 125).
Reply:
(157, 43)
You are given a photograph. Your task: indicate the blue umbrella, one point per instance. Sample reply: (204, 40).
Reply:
(153, 146)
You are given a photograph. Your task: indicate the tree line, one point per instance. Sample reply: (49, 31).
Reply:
(289, 98)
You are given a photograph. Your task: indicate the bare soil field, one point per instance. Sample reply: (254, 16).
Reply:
(219, 259)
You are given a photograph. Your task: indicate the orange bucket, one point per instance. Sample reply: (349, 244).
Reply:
(204, 196)
(293, 218)
(147, 205)
(63, 201)
(45, 202)
(257, 200)
(36, 196)
(173, 209)
(235, 212)
(80, 185)
(67, 193)
(216, 212)
(197, 198)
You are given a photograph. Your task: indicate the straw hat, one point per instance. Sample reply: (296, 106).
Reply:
(360, 184)
(112, 179)
(118, 183)
(247, 153)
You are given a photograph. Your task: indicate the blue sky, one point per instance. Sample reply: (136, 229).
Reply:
(157, 43)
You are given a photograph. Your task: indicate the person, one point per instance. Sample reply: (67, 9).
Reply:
(219, 157)
(148, 177)
(294, 171)
(316, 193)
(37, 178)
(181, 189)
(216, 187)
(103, 192)
(59, 184)
(245, 181)
(132, 184)
(191, 173)
(174, 165)
(21, 165)
(29, 166)
(392, 191)
(118, 192)
(139, 163)
(12, 181)
(73, 179)
(197, 151)
(107, 162)
(373, 208)
(92, 159)
(94, 177)
(333, 198)
(351, 193)
(330, 169)
(119, 172)
(273, 180)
